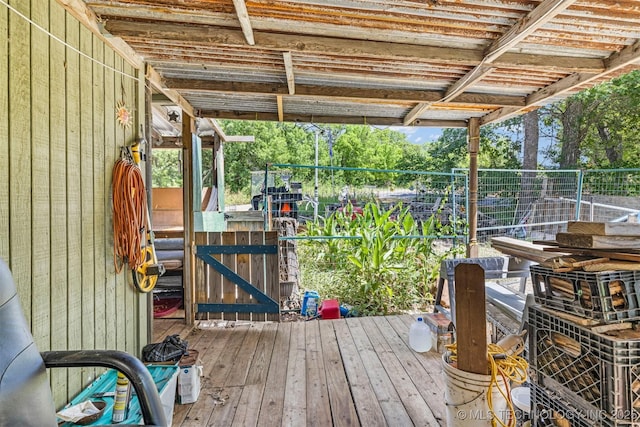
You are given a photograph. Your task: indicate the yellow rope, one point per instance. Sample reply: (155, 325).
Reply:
(511, 368)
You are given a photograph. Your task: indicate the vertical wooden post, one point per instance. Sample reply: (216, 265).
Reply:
(144, 105)
(471, 319)
(474, 147)
(188, 270)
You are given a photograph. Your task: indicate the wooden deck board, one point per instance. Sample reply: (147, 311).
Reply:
(394, 411)
(410, 396)
(318, 409)
(294, 412)
(429, 384)
(273, 398)
(346, 372)
(366, 403)
(249, 405)
(341, 402)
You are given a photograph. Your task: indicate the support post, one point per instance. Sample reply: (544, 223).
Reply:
(188, 271)
(474, 147)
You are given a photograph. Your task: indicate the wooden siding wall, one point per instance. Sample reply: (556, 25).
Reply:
(59, 140)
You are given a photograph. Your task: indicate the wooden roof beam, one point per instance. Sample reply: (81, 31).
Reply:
(539, 16)
(390, 95)
(156, 81)
(307, 118)
(245, 23)
(228, 138)
(542, 14)
(627, 56)
(280, 108)
(288, 68)
(210, 35)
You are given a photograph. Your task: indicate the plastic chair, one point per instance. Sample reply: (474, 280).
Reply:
(25, 394)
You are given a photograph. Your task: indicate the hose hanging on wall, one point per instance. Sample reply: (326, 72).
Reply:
(129, 213)
(132, 236)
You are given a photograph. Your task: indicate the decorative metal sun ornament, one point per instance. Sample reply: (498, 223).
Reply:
(123, 115)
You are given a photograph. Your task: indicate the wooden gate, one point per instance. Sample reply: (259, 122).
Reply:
(237, 275)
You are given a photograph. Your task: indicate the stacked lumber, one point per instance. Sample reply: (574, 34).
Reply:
(522, 248)
(596, 246)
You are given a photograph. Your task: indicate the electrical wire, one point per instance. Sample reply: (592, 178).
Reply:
(129, 215)
(508, 367)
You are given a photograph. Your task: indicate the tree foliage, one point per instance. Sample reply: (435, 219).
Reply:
(351, 146)
(499, 149)
(597, 128)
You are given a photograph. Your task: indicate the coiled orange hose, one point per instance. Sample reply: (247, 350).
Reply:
(129, 215)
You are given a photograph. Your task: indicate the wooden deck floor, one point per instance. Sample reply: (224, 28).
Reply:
(347, 372)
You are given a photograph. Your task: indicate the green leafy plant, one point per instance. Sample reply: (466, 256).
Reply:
(380, 261)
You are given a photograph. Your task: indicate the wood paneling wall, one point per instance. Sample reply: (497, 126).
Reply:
(59, 139)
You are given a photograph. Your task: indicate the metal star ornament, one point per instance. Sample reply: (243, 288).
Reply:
(173, 116)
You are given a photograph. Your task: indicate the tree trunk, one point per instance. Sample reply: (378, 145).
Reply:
(612, 149)
(570, 152)
(531, 137)
(527, 194)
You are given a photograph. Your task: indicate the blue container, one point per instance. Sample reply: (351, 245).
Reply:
(310, 303)
(164, 376)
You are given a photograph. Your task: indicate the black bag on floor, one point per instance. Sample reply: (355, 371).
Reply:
(169, 350)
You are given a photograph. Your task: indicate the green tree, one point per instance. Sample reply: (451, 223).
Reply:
(167, 168)
(274, 143)
(370, 148)
(597, 128)
(498, 149)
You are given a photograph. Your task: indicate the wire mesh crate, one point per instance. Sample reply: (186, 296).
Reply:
(549, 409)
(604, 296)
(598, 372)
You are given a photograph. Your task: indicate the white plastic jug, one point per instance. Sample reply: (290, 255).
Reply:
(420, 336)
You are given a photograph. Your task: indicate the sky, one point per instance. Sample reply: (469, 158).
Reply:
(418, 134)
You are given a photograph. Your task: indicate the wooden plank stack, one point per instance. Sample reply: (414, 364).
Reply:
(523, 249)
(600, 246)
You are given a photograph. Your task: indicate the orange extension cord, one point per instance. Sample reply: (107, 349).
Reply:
(129, 215)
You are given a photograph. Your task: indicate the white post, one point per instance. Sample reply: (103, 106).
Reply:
(315, 190)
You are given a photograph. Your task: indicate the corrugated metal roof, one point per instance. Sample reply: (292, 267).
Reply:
(420, 62)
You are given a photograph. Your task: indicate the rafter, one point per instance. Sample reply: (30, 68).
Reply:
(156, 81)
(210, 35)
(627, 56)
(382, 95)
(245, 23)
(308, 118)
(542, 14)
(280, 108)
(79, 10)
(546, 11)
(415, 113)
(288, 68)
